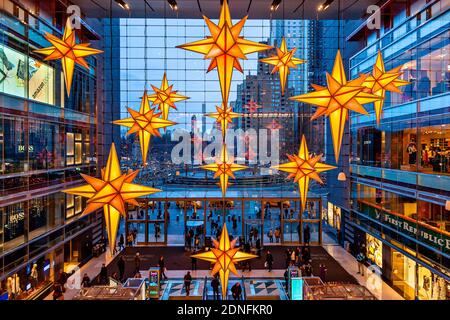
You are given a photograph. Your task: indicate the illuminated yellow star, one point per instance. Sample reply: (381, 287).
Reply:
(224, 116)
(337, 99)
(146, 122)
(302, 168)
(165, 98)
(381, 80)
(283, 61)
(111, 192)
(225, 47)
(68, 51)
(224, 256)
(223, 168)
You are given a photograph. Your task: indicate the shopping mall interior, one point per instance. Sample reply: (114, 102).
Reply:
(224, 150)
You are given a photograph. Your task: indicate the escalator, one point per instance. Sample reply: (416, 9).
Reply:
(208, 293)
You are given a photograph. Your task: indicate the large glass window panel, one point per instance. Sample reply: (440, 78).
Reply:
(13, 225)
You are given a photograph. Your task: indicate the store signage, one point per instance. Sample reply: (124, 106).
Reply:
(21, 148)
(429, 236)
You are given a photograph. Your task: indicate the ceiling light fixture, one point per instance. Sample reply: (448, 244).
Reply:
(275, 4)
(123, 4)
(324, 6)
(173, 4)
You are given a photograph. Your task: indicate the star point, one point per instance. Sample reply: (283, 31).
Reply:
(302, 167)
(224, 256)
(146, 123)
(283, 61)
(224, 116)
(380, 81)
(112, 191)
(68, 51)
(224, 168)
(337, 99)
(165, 97)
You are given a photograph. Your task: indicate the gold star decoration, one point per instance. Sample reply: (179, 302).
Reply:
(225, 47)
(146, 122)
(224, 256)
(381, 81)
(336, 99)
(302, 168)
(165, 97)
(111, 192)
(223, 168)
(224, 116)
(282, 62)
(68, 51)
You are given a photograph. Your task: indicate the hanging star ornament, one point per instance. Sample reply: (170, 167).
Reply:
(282, 62)
(224, 256)
(224, 117)
(111, 192)
(302, 167)
(165, 97)
(68, 51)
(381, 81)
(223, 168)
(252, 106)
(146, 123)
(225, 47)
(336, 99)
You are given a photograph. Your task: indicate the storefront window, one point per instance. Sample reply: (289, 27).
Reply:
(14, 77)
(44, 145)
(403, 275)
(15, 152)
(374, 250)
(13, 225)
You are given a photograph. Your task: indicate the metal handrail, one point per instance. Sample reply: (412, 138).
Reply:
(244, 292)
(205, 289)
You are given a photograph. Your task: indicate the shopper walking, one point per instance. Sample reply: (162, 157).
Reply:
(162, 268)
(86, 282)
(323, 272)
(121, 267)
(121, 242)
(103, 274)
(236, 291)
(215, 286)
(270, 235)
(187, 283)
(137, 263)
(307, 234)
(269, 260)
(361, 258)
(193, 262)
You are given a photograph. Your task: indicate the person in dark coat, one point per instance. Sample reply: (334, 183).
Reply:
(137, 263)
(269, 260)
(236, 291)
(162, 268)
(121, 267)
(215, 286)
(187, 283)
(193, 262)
(306, 234)
(103, 274)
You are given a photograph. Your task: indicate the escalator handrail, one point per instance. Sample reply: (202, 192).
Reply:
(244, 293)
(205, 288)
